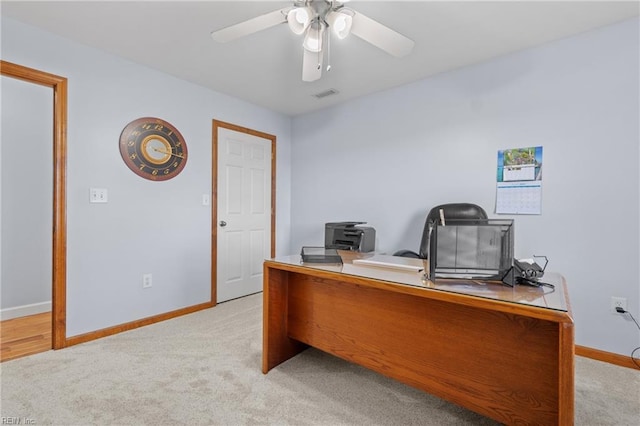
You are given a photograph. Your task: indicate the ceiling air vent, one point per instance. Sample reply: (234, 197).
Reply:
(326, 93)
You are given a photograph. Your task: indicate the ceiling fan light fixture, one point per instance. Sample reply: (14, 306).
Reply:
(299, 19)
(312, 19)
(340, 22)
(313, 38)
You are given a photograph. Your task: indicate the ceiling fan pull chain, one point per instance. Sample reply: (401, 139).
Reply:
(328, 50)
(320, 42)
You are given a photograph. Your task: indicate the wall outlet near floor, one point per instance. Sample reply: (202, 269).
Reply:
(618, 302)
(146, 281)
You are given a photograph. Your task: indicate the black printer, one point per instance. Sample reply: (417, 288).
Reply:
(349, 236)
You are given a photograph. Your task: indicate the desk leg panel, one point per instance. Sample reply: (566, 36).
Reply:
(501, 365)
(277, 346)
(566, 385)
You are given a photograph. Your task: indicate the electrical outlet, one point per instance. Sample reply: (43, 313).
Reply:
(618, 302)
(146, 281)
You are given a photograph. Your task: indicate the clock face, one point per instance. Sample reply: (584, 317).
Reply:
(153, 148)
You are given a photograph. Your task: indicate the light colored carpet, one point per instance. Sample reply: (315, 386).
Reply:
(204, 368)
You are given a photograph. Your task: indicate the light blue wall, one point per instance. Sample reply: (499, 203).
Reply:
(146, 227)
(389, 157)
(27, 199)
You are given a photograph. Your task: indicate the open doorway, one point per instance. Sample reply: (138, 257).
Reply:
(57, 199)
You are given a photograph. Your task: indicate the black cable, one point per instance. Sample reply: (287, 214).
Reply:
(622, 311)
(533, 282)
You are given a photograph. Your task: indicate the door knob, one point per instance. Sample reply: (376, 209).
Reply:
(223, 223)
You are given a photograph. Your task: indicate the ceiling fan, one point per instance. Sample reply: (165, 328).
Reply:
(317, 19)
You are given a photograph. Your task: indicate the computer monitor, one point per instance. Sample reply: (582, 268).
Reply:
(472, 249)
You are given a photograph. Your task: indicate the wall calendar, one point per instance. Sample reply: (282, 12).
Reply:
(519, 181)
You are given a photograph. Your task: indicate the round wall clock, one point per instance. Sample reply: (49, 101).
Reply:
(153, 148)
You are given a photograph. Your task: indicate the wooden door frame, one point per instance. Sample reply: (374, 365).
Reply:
(214, 196)
(59, 239)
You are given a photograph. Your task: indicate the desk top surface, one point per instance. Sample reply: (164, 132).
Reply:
(411, 273)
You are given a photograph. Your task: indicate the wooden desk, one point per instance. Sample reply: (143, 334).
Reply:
(506, 353)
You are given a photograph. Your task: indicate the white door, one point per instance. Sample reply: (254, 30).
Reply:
(243, 212)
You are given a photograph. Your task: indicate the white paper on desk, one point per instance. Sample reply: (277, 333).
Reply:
(519, 197)
(394, 262)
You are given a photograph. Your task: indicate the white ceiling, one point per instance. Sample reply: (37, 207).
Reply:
(265, 68)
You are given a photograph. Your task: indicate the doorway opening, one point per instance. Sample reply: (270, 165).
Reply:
(59, 232)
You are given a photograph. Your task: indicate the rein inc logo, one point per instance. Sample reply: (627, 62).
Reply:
(16, 421)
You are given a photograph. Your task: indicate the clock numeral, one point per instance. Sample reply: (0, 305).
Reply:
(146, 126)
(154, 172)
(135, 133)
(178, 144)
(131, 143)
(166, 171)
(170, 133)
(141, 166)
(133, 156)
(158, 127)
(175, 164)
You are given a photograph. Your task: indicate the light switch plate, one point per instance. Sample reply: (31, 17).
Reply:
(98, 195)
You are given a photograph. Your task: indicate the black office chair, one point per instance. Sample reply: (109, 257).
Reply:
(452, 212)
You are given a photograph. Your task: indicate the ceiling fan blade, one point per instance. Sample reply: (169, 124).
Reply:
(311, 65)
(250, 26)
(381, 36)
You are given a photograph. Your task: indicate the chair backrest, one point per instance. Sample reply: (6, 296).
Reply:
(452, 211)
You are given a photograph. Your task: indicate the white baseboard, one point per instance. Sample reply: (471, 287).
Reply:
(24, 310)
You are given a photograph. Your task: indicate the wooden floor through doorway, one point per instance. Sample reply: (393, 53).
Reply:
(25, 336)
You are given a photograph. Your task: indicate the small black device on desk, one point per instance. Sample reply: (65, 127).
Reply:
(349, 236)
(527, 271)
(320, 255)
